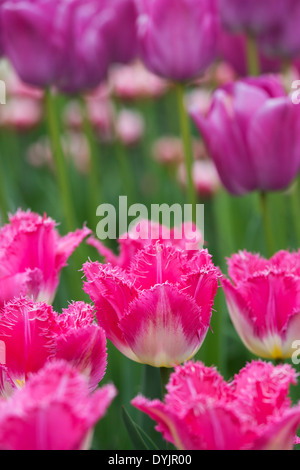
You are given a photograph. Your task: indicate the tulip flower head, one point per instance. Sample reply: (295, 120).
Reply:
(146, 232)
(68, 44)
(252, 133)
(263, 300)
(158, 311)
(33, 334)
(32, 255)
(201, 411)
(283, 42)
(55, 411)
(177, 38)
(251, 16)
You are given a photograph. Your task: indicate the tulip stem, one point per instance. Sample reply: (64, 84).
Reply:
(164, 377)
(122, 157)
(187, 143)
(267, 224)
(253, 57)
(59, 160)
(295, 200)
(3, 200)
(94, 184)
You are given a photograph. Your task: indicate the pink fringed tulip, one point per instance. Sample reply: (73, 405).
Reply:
(55, 411)
(252, 133)
(177, 38)
(253, 16)
(32, 254)
(202, 411)
(32, 334)
(143, 310)
(144, 233)
(263, 300)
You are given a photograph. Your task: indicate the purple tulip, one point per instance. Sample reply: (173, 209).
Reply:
(252, 132)
(284, 41)
(177, 38)
(1, 35)
(253, 16)
(68, 43)
(233, 50)
(121, 30)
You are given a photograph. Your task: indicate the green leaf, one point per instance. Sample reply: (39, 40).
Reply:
(140, 440)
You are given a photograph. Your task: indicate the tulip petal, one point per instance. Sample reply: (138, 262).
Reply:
(158, 330)
(274, 147)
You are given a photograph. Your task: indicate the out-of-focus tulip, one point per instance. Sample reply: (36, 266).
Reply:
(205, 177)
(252, 133)
(32, 254)
(233, 50)
(284, 41)
(57, 43)
(201, 411)
(120, 30)
(130, 126)
(178, 38)
(21, 114)
(143, 310)
(264, 302)
(253, 16)
(135, 82)
(33, 334)
(168, 150)
(55, 411)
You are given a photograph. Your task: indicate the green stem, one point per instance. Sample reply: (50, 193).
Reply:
(270, 244)
(59, 160)
(125, 170)
(164, 378)
(187, 142)
(295, 200)
(94, 186)
(253, 57)
(3, 200)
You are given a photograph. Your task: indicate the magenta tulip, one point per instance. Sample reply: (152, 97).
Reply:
(177, 38)
(26, 270)
(252, 132)
(55, 411)
(253, 16)
(66, 44)
(158, 311)
(284, 41)
(32, 334)
(201, 411)
(121, 30)
(233, 50)
(263, 299)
